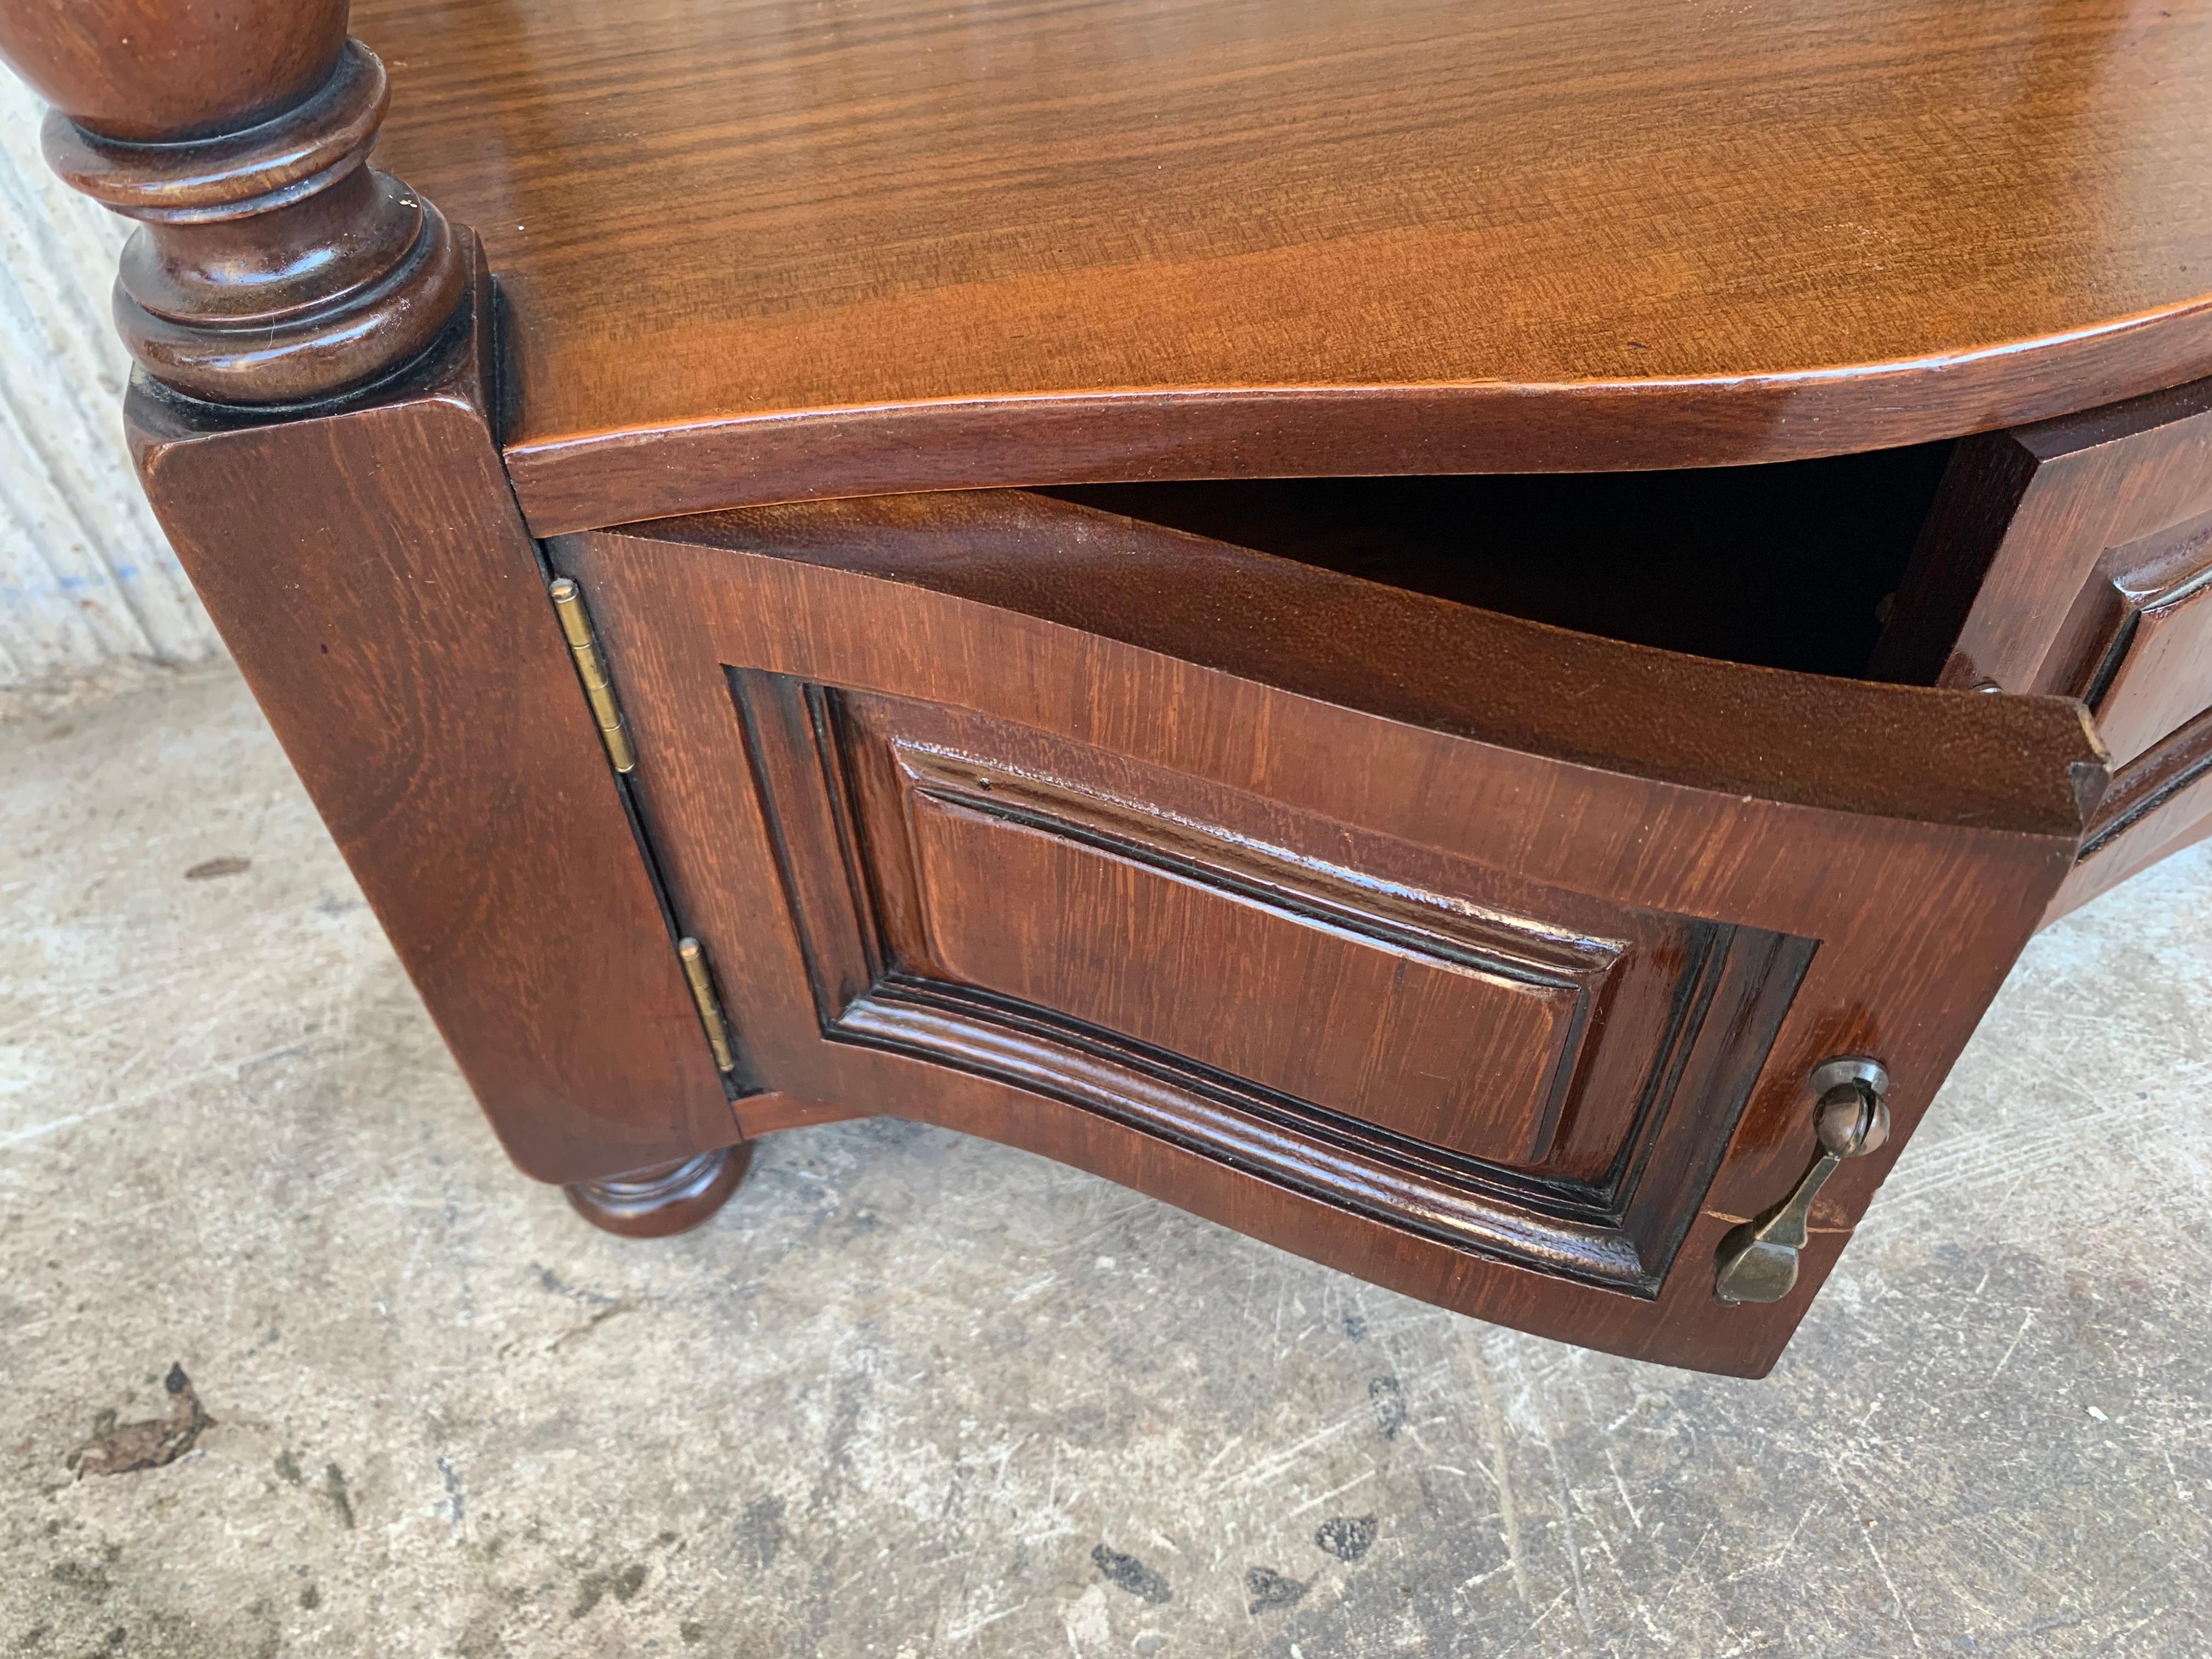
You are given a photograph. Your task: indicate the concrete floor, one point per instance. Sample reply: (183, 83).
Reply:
(916, 1396)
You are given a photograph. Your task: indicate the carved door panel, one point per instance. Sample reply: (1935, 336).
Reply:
(1481, 959)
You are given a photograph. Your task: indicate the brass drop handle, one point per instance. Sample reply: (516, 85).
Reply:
(1757, 1261)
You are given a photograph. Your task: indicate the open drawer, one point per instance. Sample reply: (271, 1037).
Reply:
(1484, 959)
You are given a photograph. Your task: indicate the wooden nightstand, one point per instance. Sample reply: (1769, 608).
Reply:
(1466, 639)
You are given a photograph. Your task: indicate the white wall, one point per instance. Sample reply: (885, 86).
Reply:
(85, 575)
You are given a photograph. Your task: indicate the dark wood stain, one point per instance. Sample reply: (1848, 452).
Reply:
(1452, 878)
(1040, 661)
(758, 252)
(2075, 558)
(271, 265)
(370, 570)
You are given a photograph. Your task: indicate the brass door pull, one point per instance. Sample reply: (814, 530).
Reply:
(1757, 1261)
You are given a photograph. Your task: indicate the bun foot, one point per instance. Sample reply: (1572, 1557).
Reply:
(665, 1199)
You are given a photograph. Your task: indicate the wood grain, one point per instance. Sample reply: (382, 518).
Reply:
(2158, 805)
(368, 569)
(1414, 658)
(758, 252)
(1183, 1021)
(1453, 1054)
(2074, 556)
(1053, 649)
(2150, 667)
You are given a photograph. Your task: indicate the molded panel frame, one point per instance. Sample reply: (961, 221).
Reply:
(808, 743)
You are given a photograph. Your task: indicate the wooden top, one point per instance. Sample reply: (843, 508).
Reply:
(758, 251)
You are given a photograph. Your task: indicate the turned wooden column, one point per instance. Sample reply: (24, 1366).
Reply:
(272, 265)
(365, 560)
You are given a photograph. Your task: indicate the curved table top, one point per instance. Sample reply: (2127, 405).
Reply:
(756, 250)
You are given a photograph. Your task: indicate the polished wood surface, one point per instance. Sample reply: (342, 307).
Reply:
(756, 250)
(2074, 556)
(2156, 807)
(1461, 1048)
(368, 570)
(980, 802)
(271, 264)
(158, 71)
(665, 1199)
(1133, 903)
(1406, 656)
(2155, 669)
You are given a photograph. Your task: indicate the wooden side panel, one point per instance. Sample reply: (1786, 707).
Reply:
(2156, 807)
(369, 570)
(822, 693)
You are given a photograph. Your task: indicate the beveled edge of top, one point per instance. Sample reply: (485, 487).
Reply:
(593, 480)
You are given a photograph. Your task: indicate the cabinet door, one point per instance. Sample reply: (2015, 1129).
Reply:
(1481, 959)
(2075, 558)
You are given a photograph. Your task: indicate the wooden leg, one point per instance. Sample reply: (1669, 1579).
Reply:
(668, 1198)
(367, 566)
(332, 480)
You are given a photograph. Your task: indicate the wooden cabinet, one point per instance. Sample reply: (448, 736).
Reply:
(1512, 642)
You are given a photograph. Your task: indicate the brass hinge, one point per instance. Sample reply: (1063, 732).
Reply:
(710, 1005)
(591, 669)
(599, 691)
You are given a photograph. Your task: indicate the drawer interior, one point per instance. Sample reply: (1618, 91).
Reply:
(1787, 565)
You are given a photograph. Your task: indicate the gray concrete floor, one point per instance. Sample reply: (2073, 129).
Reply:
(915, 1396)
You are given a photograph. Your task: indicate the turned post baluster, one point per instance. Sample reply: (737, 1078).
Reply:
(367, 563)
(271, 265)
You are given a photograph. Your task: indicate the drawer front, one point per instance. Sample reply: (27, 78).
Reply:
(1484, 960)
(2148, 670)
(2075, 558)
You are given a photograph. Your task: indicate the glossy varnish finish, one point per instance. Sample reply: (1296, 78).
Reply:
(158, 72)
(1485, 959)
(2075, 558)
(756, 252)
(272, 265)
(1455, 1026)
(368, 569)
(663, 1199)
(912, 763)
